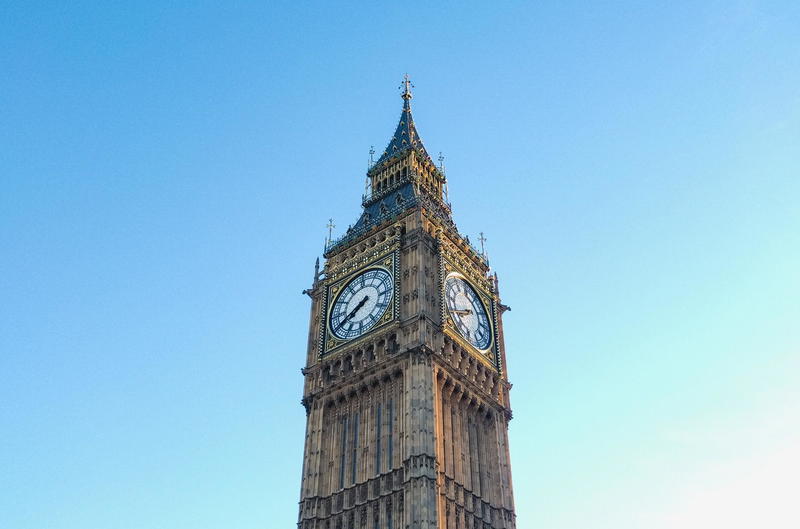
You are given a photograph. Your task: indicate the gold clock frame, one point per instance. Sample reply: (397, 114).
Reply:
(330, 343)
(491, 355)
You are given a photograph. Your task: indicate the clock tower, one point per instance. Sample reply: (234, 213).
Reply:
(406, 390)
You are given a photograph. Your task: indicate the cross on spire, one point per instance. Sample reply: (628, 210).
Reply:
(483, 240)
(406, 87)
(330, 227)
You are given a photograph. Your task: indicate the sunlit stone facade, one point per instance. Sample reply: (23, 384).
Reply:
(406, 392)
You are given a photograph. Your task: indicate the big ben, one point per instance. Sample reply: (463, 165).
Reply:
(406, 391)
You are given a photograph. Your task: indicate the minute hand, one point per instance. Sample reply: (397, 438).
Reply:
(353, 312)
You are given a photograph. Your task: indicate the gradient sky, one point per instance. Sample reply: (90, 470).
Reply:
(167, 171)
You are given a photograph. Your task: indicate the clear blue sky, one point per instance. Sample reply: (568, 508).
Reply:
(167, 171)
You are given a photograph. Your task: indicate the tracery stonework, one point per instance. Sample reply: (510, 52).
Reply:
(406, 393)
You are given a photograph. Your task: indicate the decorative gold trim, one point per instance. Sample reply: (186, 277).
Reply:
(388, 261)
(489, 355)
(486, 356)
(374, 333)
(358, 261)
(463, 263)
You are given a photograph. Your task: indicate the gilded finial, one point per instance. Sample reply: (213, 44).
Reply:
(406, 87)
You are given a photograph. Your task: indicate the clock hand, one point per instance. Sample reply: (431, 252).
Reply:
(353, 312)
(463, 312)
(360, 304)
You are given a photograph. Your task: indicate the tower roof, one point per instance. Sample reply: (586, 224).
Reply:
(405, 136)
(415, 185)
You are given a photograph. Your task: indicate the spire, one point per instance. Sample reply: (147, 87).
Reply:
(405, 136)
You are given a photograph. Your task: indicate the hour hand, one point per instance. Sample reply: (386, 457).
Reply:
(462, 312)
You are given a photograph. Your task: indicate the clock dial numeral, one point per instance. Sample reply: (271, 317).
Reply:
(361, 303)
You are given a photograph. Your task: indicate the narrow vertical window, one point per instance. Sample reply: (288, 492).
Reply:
(343, 456)
(478, 454)
(355, 448)
(454, 423)
(391, 431)
(378, 439)
(474, 463)
(389, 516)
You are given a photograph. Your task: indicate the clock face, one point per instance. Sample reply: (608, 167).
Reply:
(468, 312)
(361, 303)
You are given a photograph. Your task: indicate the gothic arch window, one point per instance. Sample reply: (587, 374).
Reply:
(358, 359)
(348, 365)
